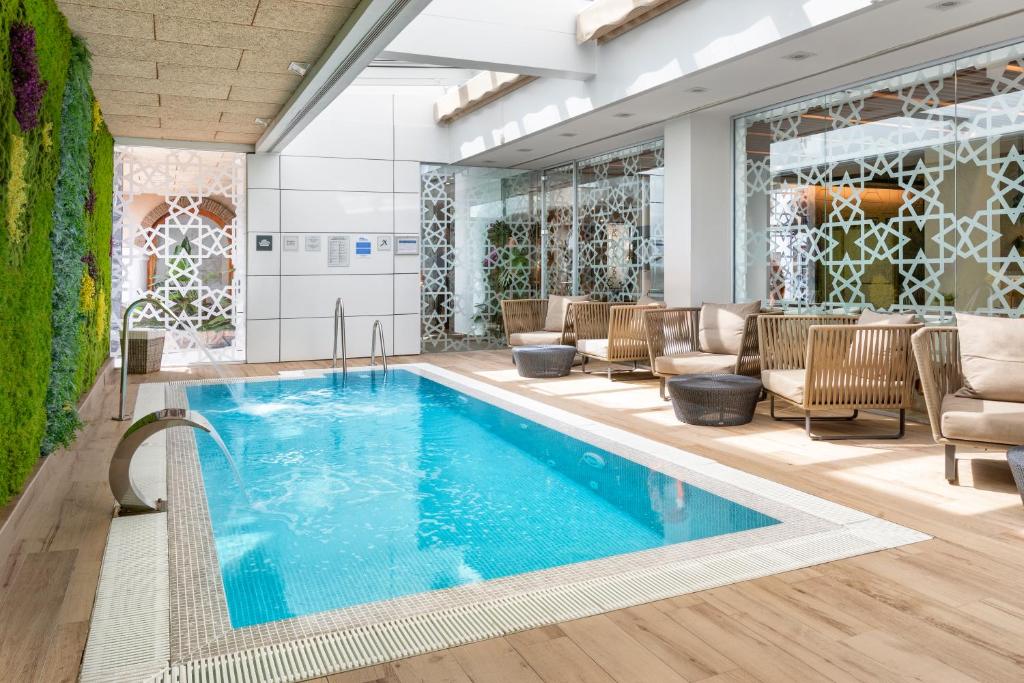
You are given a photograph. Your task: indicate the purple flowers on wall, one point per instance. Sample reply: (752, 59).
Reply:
(28, 87)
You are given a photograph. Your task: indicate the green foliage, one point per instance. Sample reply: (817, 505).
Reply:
(26, 261)
(67, 244)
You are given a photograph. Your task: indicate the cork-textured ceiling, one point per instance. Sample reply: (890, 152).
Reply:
(199, 70)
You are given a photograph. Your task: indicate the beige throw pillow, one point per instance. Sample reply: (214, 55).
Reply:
(721, 326)
(992, 357)
(873, 318)
(558, 306)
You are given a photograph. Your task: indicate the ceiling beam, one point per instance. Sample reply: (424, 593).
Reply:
(528, 37)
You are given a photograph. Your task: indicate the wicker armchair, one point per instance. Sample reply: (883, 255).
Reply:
(613, 333)
(959, 421)
(673, 347)
(830, 363)
(524, 323)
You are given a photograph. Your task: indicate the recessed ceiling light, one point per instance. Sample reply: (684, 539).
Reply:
(567, 135)
(622, 115)
(260, 121)
(945, 5)
(697, 88)
(524, 149)
(298, 68)
(799, 56)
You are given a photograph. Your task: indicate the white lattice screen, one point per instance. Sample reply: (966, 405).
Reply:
(179, 234)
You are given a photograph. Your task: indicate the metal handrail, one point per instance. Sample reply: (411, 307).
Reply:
(124, 347)
(339, 326)
(378, 333)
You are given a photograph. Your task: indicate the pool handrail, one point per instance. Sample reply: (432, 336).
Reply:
(378, 333)
(339, 326)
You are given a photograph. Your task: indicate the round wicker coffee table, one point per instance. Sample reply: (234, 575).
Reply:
(1015, 456)
(542, 362)
(714, 400)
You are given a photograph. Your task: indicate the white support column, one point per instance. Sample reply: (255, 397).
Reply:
(698, 210)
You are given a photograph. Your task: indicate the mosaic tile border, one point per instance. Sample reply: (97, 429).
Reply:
(813, 531)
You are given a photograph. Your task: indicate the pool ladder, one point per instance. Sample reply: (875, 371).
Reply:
(339, 331)
(377, 333)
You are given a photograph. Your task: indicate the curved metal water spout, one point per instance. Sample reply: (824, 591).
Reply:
(124, 346)
(126, 492)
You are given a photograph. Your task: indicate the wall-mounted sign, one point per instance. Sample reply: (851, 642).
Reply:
(364, 247)
(264, 243)
(383, 242)
(339, 248)
(290, 243)
(407, 244)
(313, 243)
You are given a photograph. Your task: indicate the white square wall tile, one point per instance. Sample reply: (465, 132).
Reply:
(357, 124)
(263, 297)
(328, 211)
(263, 262)
(407, 176)
(313, 338)
(347, 175)
(262, 170)
(407, 293)
(263, 209)
(408, 212)
(314, 296)
(407, 335)
(417, 135)
(261, 341)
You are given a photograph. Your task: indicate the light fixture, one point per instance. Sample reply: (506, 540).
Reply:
(298, 68)
(622, 115)
(799, 56)
(567, 135)
(697, 89)
(260, 121)
(524, 149)
(945, 5)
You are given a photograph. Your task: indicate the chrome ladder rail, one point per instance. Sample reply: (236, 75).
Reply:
(377, 333)
(339, 330)
(122, 415)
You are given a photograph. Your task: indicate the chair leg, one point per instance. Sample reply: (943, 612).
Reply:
(771, 411)
(661, 390)
(583, 368)
(951, 473)
(847, 437)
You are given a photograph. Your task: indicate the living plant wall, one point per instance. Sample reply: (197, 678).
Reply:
(56, 171)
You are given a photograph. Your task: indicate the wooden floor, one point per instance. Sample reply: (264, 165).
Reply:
(950, 609)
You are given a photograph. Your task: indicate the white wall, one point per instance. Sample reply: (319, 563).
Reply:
(698, 210)
(354, 171)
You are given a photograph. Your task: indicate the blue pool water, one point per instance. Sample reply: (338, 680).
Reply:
(361, 490)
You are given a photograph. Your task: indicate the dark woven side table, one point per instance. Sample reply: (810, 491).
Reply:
(1015, 456)
(542, 362)
(714, 400)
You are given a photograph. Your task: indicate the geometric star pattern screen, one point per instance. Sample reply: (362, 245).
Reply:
(179, 227)
(904, 194)
(490, 234)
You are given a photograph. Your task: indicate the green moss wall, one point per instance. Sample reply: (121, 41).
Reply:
(43, 212)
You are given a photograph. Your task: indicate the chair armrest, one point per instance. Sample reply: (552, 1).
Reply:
(782, 339)
(523, 315)
(627, 337)
(589, 319)
(937, 351)
(671, 331)
(860, 366)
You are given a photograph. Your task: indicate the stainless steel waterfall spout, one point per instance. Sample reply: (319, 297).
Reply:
(124, 347)
(126, 491)
(377, 333)
(339, 331)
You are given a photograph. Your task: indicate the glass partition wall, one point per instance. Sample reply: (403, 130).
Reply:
(903, 194)
(592, 227)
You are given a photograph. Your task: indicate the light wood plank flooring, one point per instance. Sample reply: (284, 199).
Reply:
(950, 609)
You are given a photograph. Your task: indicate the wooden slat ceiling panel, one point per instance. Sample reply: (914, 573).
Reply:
(199, 70)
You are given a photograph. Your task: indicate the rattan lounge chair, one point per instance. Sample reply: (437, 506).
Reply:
(612, 333)
(525, 323)
(958, 420)
(673, 347)
(826, 363)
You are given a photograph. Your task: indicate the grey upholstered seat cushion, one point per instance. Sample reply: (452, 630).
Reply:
(975, 419)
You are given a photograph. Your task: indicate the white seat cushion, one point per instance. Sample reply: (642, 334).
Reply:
(975, 419)
(695, 363)
(593, 347)
(532, 338)
(788, 384)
